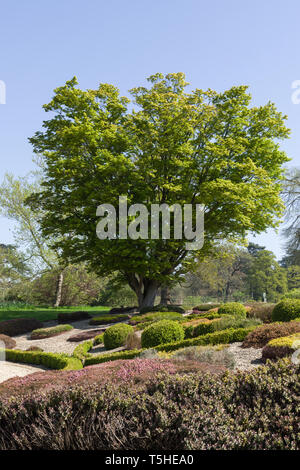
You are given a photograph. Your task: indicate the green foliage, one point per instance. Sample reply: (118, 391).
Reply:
(42, 333)
(222, 324)
(281, 347)
(115, 356)
(99, 339)
(96, 148)
(154, 317)
(286, 310)
(51, 360)
(233, 308)
(116, 335)
(162, 308)
(106, 319)
(293, 294)
(81, 351)
(163, 331)
(206, 307)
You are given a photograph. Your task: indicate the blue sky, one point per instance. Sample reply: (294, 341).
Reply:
(216, 43)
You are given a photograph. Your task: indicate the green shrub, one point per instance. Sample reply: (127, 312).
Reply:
(233, 308)
(155, 316)
(293, 294)
(218, 337)
(81, 351)
(286, 310)
(261, 310)
(204, 328)
(105, 319)
(163, 308)
(99, 339)
(69, 317)
(42, 333)
(208, 316)
(225, 322)
(205, 307)
(161, 332)
(116, 335)
(50, 360)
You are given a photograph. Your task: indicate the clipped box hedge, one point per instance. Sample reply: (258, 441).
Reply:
(50, 360)
(286, 310)
(219, 337)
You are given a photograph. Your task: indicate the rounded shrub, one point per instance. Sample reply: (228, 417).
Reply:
(161, 332)
(286, 310)
(233, 308)
(116, 335)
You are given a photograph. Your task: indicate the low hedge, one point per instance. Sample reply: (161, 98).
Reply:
(218, 337)
(205, 307)
(164, 331)
(42, 333)
(265, 333)
(50, 360)
(81, 351)
(163, 308)
(69, 317)
(233, 308)
(99, 339)
(151, 317)
(286, 310)
(116, 335)
(223, 323)
(281, 347)
(100, 358)
(105, 319)
(19, 326)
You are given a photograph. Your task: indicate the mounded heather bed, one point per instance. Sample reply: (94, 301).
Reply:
(256, 410)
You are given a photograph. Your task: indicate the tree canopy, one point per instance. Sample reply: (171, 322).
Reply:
(169, 146)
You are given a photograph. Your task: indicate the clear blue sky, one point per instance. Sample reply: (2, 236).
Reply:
(217, 43)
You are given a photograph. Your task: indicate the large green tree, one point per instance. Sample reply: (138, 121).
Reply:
(170, 146)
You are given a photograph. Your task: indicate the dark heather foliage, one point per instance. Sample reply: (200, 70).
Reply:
(257, 410)
(67, 317)
(85, 335)
(265, 333)
(19, 326)
(9, 342)
(286, 310)
(274, 353)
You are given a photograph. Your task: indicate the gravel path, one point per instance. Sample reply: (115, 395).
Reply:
(11, 369)
(58, 344)
(245, 359)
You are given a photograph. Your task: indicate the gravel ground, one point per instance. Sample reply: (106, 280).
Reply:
(11, 369)
(58, 343)
(245, 359)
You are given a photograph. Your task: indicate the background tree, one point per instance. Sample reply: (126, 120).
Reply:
(27, 233)
(173, 147)
(13, 269)
(291, 195)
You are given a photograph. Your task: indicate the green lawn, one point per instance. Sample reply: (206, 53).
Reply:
(44, 314)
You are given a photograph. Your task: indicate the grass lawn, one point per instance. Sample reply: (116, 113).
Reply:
(44, 314)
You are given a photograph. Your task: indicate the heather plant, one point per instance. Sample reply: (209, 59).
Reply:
(42, 333)
(265, 333)
(255, 410)
(209, 355)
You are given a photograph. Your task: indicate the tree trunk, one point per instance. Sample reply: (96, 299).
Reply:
(58, 292)
(164, 295)
(145, 289)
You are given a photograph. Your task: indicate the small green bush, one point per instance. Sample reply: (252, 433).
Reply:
(105, 319)
(286, 310)
(162, 332)
(225, 322)
(42, 333)
(116, 335)
(50, 360)
(233, 308)
(100, 358)
(99, 339)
